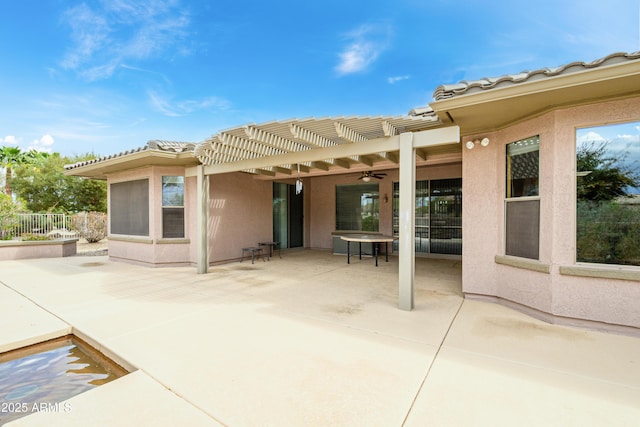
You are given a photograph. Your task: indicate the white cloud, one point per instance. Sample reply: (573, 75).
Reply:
(629, 138)
(590, 136)
(182, 108)
(89, 32)
(365, 44)
(162, 105)
(10, 139)
(396, 79)
(106, 35)
(43, 144)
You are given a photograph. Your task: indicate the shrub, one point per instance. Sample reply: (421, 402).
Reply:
(92, 226)
(608, 232)
(30, 237)
(9, 219)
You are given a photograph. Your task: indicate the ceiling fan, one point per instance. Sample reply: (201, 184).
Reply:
(367, 175)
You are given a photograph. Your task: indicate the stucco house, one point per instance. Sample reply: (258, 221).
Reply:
(486, 172)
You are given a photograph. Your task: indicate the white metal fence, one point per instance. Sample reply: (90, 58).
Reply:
(54, 225)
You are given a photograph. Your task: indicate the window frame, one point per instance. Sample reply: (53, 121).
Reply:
(609, 261)
(167, 233)
(525, 251)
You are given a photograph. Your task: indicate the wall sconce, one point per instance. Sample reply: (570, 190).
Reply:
(484, 142)
(385, 198)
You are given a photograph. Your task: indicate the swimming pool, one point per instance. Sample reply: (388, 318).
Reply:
(41, 377)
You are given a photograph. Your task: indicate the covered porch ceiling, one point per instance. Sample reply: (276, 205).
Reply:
(319, 146)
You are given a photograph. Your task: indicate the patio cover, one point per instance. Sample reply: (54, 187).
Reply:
(329, 145)
(316, 145)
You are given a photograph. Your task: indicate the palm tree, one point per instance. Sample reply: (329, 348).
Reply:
(10, 157)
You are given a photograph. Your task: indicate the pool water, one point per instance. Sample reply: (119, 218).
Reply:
(41, 377)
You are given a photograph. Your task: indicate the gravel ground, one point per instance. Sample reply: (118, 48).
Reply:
(91, 249)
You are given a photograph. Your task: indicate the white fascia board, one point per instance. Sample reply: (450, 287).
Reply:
(435, 137)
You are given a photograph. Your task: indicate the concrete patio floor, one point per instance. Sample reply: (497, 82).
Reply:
(308, 340)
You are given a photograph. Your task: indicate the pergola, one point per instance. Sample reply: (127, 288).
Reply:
(324, 146)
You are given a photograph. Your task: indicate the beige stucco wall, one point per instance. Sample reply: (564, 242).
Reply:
(609, 301)
(153, 249)
(10, 249)
(240, 214)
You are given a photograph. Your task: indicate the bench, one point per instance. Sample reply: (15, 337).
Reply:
(254, 251)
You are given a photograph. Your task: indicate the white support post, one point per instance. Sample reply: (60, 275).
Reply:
(407, 213)
(203, 219)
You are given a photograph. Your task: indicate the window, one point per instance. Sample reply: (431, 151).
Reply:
(608, 194)
(172, 206)
(522, 167)
(357, 207)
(522, 207)
(129, 207)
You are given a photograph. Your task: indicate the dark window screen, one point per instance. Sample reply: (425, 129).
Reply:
(357, 207)
(523, 224)
(129, 210)
(172, 222)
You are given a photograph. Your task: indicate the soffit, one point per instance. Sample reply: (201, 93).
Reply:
(491, 104)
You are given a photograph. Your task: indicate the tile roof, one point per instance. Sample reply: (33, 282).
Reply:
(154, 144)
(473, 86)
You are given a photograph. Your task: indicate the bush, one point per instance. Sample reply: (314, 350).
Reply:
(608, 232)
(30, 237)
(9, 219)
(92, 226)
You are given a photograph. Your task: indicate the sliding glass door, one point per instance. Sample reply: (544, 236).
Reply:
(438, 223)
(287, 216)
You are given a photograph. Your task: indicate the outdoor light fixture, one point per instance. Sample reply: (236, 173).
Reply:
(484, 142)
(298, 182)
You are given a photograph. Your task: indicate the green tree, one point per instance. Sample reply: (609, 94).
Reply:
(601, 176)
(12, 157)
(45, 188)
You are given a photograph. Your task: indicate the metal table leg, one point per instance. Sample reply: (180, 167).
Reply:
(375, 249)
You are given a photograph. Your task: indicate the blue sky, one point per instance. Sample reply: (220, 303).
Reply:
(105, 76)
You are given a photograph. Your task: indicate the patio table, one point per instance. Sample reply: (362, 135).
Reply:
(374, 239)
(272, 246)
